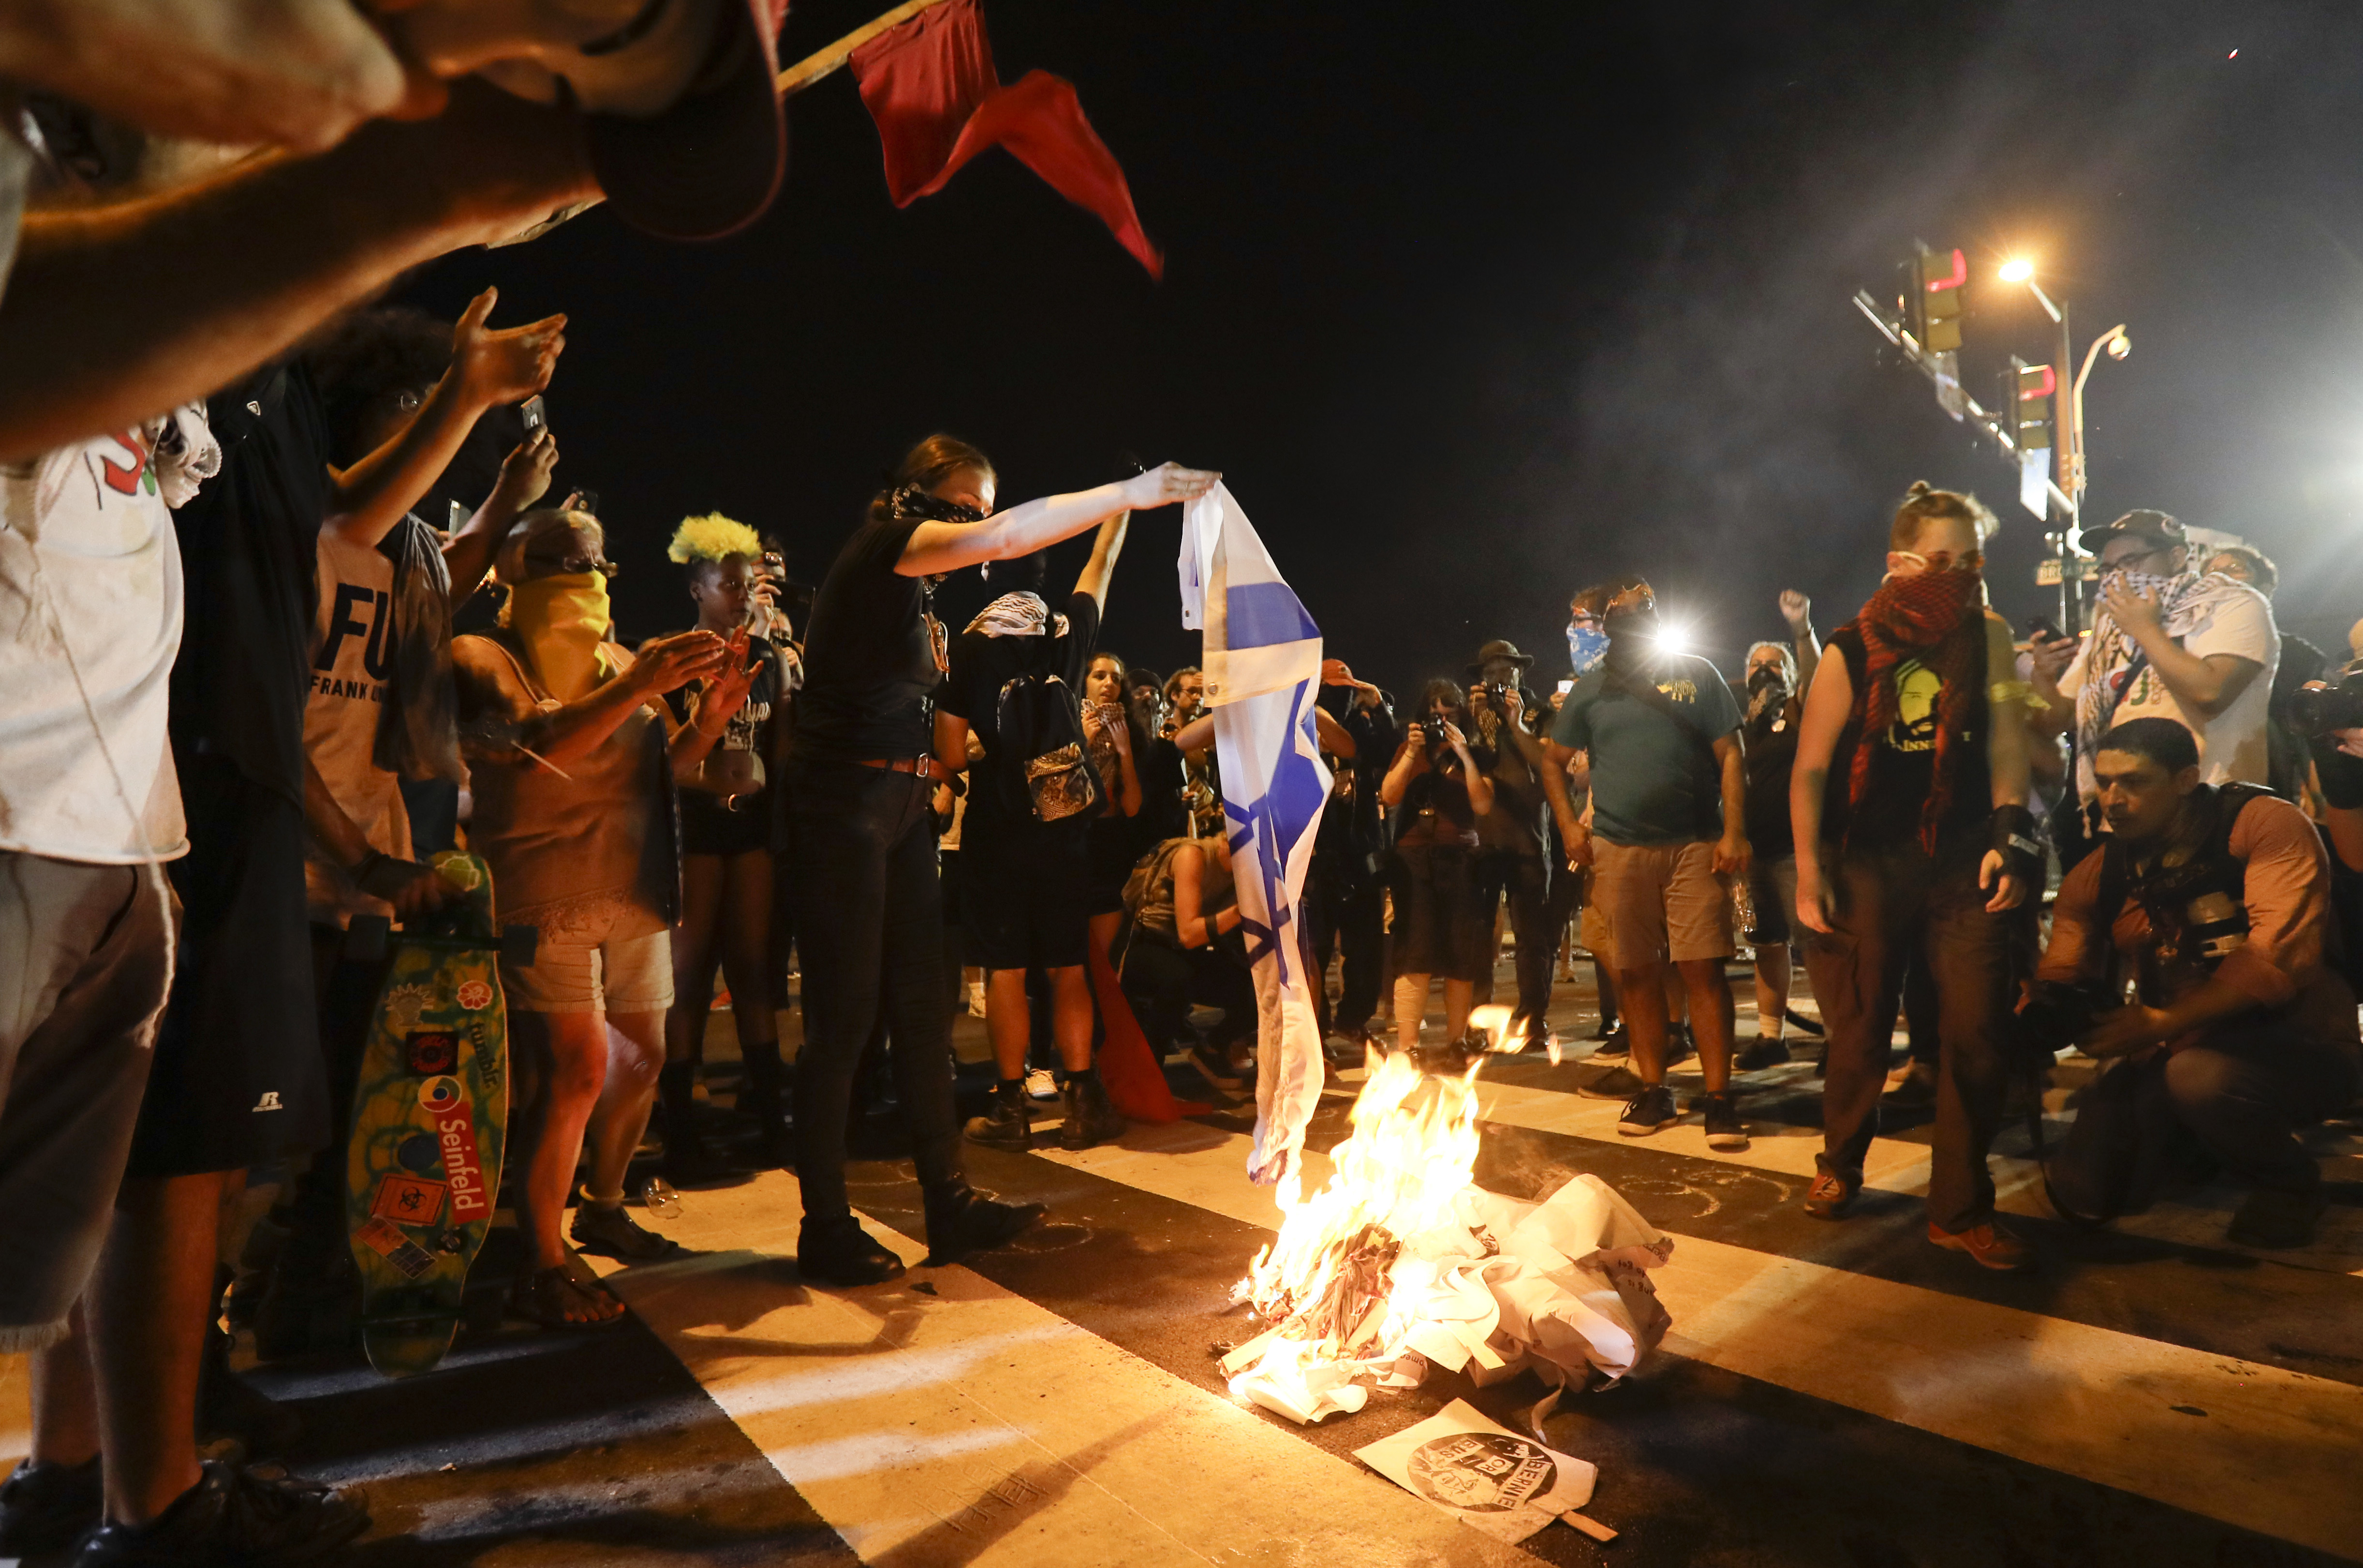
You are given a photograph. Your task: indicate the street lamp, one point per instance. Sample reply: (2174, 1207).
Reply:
(2070, 414)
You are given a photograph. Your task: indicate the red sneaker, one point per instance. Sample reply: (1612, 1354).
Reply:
(1830, 1197)
(1989, 1243)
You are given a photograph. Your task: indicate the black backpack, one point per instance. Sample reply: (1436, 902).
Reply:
(1041, 757)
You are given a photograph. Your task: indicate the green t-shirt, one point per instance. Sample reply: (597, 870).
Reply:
(1654, 777)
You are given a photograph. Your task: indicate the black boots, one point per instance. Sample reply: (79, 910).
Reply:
(1008, 1122)
(839, 1252)
(961, 1220)
(1090, 1118)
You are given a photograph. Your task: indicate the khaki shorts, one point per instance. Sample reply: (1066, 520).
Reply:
(1662, 901)
(571, 974)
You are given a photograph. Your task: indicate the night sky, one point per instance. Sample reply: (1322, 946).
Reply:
(1475, 304)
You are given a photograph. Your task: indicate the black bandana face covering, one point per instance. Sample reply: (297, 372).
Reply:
(911, 502)
(1632, 637)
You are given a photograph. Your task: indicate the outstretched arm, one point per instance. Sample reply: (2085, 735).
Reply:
(938, 547)
(1101, 566)
(116, 311)
(487, 368)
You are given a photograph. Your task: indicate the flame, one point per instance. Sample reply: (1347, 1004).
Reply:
(1501, 1025)
(1327, 1281)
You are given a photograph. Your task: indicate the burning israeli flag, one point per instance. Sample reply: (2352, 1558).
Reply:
(1262, 667)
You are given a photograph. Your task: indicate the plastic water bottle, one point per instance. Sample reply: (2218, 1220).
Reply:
(658, 1197)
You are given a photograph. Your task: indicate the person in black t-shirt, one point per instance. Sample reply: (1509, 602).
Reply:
(1778, 675)
(1345, 894)
(1909, 807)
(860, 785)
(726, 858)
(1436, 790)
(1027, 878)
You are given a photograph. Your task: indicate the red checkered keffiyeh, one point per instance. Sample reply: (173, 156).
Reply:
(1937, 617)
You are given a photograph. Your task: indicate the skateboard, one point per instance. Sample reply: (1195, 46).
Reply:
(429, 1113)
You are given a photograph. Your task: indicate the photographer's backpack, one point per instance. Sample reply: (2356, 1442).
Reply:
(1041, 753)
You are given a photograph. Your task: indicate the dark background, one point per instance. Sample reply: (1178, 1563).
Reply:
(1475, 304)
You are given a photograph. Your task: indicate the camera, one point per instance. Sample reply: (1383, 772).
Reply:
(2318, 710)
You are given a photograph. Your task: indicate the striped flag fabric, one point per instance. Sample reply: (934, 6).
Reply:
(1262, 669)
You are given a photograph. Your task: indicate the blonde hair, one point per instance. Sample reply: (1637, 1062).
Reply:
(1924, 505)
(712, 538)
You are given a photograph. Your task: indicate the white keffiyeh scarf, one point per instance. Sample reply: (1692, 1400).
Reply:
(2187, 605)
(1019, 615)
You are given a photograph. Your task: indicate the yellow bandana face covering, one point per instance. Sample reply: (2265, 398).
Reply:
(562, 620)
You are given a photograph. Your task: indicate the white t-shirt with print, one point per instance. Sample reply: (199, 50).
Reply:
(352, 666)
(90, 621)
(2232, 747)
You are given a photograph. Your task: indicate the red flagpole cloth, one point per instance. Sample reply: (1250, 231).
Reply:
(1128, 1068)
(938, 102)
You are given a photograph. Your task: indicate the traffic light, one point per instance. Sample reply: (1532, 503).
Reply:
(1935, 280)
(2029, 392)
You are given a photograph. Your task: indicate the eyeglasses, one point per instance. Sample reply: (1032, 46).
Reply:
(2121, 562)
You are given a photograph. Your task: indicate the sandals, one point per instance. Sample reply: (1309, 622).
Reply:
(555, 1298)
(612, 1233)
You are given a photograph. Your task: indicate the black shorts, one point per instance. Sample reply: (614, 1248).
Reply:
(237, 1078)
(1025, 895)
(1439, 929)
(708, 827)
(1114, 850)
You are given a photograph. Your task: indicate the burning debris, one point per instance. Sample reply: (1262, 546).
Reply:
(1400, 1263)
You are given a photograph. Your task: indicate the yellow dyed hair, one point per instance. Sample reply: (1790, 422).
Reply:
(711, 537)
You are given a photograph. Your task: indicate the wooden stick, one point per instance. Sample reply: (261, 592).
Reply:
(795, 79)
(815, 66)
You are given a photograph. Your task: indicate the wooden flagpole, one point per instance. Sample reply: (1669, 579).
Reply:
(815, 66)
(795, 79)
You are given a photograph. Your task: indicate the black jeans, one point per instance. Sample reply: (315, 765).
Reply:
(869, 925)
(1346, 914)
(2241, 1094)
(1525, 880)
(1163, 980)
(1896, 902)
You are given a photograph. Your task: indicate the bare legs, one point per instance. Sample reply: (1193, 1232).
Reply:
(1411, 1006)
(635, 1048)
(1645, 992)
(1009, 1021)
(1772, 981)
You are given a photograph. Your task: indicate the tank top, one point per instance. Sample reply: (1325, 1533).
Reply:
(596, 845)
(1902, 760)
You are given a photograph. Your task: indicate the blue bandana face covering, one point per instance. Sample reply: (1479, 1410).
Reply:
(1586, 646)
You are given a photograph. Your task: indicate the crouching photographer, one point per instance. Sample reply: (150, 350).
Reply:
(1187, 948)
(2214, 902)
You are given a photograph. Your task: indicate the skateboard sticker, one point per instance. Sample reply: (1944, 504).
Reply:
(462, 1169)
(475, 996)
(439, 1095)
(433, 1051)
(384, 1238)
(408, 1199)
(420, 1154)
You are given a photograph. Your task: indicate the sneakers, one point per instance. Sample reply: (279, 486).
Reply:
(1617, 1083)
(48, 1508)
(839, 1252)
(1831, 1196)
(1761, 1054)
(1041, 1084)
(1724, 1127)
(1651, 1110)
(961, 1220)
(1008, 1124)
(1219, 1067)
(1680, 1045)
(1090, 1118)
(233, 1515)
(1988, 1244)
(1614, 1046)
(2268, 1218)
(605, 1229)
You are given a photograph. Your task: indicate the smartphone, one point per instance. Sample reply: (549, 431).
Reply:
(460, 515)
(587, 501)
(1565, 687)
(537, 417)
(2044, 626)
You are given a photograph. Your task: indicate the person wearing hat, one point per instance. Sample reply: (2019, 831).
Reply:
(2168, 642)
(1512, 835)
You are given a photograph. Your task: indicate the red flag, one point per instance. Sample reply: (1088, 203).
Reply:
(931, 88)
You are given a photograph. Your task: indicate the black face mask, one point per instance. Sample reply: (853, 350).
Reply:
(1769, 678)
